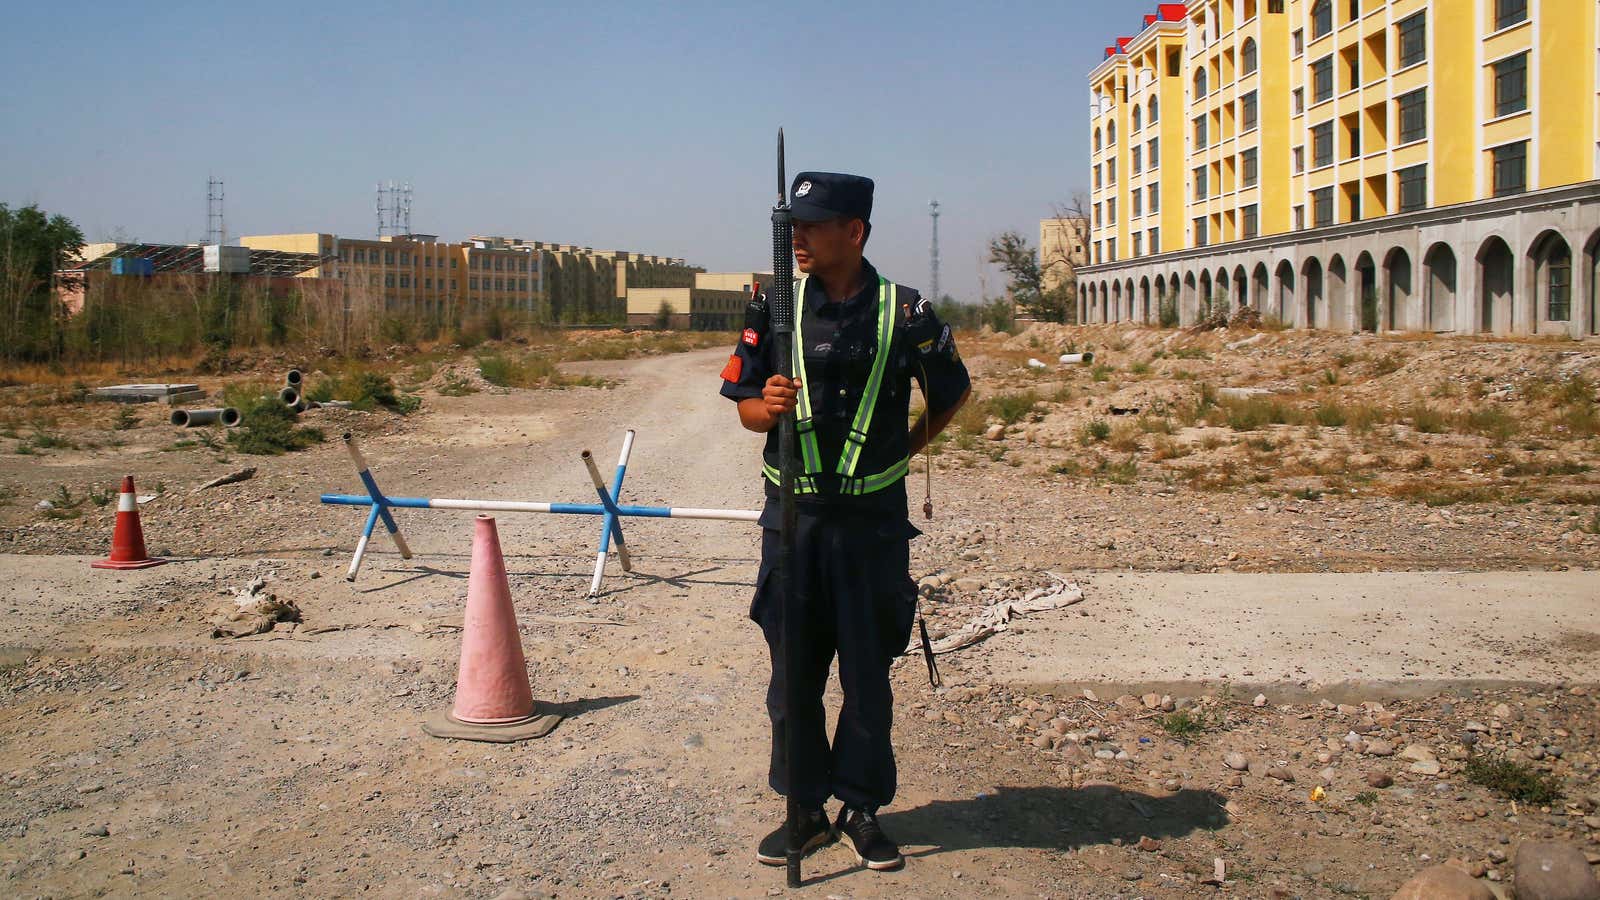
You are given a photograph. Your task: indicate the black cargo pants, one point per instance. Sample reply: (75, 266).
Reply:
(856, 599)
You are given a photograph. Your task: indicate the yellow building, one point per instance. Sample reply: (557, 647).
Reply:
(416, 275)
(716, 302)
(1223, 121)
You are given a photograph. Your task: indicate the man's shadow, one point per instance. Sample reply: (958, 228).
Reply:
(1054, 818)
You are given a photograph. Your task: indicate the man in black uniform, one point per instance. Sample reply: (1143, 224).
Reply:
(859, 343)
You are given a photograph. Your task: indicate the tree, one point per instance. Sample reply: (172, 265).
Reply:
(33, 247)
(1025, 279)
(664, 314)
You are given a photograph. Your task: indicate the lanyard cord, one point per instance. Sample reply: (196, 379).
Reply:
(927, 446)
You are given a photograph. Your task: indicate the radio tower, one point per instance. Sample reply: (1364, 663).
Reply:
(933, 255)
(216, 230)
(394, 209)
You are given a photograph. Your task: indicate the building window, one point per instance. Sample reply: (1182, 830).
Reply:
(1322, 145)
(1355, 138)
(1322, 207)
(472, 282)
(1200, 132)
(1097, 182)
(1138, 116)
(1138, 203)
(1155, 240)
(361, 255)
(1413, 188)
(1097, 215)
(1200, 82)
(1247, 56)
(1138, 159)
(1355, 10)
(388, 257)
(1111, 171)
(1155, 111)
(1200, 182)
(1097, 253)
(1247, 163)
(1299, 98)
(1355, 204)
(1321, 18)
(1155, 198)
(428, 283)
(1413, 115)
(1138, 244)
(1247, 111)
(452, 263)
(1275, 6)
(1111, 134)
(1299, 218)
(1200, 231)
(1559, 284)
(1299, 154)
(1322, 79)
(1155, 153)
(405, 281)
(1299, 40)
(1111, 212)
(1511, 169)
(1511, 85)
(388, 280)
(1111, 249)
(1509, 12)
(405, 258)
(452, 284)
(522, 284)
(1413, 39)
(1252, 221)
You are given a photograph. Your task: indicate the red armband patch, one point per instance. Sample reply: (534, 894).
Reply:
(750, 337)
(733, 369)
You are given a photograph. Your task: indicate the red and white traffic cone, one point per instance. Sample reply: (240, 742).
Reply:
(127, 538)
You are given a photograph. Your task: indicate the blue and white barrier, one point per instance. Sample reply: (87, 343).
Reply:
(610, 511)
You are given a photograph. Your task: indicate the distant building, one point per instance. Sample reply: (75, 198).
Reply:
(100, 266)
(585, 285)
(1357, 165)
(716, 302)
(1063, 247)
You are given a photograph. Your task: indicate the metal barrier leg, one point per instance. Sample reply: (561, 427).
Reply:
(361, 545)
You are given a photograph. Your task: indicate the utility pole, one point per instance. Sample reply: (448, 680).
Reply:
(933, 256)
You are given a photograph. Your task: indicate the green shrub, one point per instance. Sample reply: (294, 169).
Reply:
(1096, 430)
(1518, 781)
(1428, 420)
(521, 372)
(1489, 421)
(1185, 726)
(1330, 415)
(1011, 408)
(267, 428)
(1167, 311)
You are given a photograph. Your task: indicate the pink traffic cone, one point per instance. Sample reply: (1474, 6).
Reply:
(494, 700)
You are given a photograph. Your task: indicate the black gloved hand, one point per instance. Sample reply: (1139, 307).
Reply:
(922, 328)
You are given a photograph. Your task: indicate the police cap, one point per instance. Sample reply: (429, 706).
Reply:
(820, 196)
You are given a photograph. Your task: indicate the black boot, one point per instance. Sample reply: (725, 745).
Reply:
(873, 848)
(815, 833)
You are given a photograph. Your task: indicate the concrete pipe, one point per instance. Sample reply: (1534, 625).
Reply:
(335, 404)
(194, 418)
(291, 398)
(1072, 359)
(294, 378)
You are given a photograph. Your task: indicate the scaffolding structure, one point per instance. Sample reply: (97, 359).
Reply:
(216, 228)
(394, 209)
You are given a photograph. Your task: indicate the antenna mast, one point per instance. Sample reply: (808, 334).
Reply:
(933, 256)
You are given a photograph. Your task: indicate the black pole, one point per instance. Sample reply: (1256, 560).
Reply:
(783, 318)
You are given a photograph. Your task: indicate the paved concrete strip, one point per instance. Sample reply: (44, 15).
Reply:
(1312, 630)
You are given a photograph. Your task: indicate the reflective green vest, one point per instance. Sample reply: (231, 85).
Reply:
(856, 438)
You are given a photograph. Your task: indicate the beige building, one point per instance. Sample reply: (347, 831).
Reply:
(1063, 247)
(585, 285)
(716, 302)
(416, 275)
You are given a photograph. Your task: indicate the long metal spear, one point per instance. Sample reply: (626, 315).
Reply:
(784, 312)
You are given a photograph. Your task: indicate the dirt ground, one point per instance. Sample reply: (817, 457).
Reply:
(1305, 594)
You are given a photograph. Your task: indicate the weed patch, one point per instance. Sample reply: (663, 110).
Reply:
(1515, 780)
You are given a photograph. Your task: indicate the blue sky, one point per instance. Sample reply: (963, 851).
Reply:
(645, 127)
